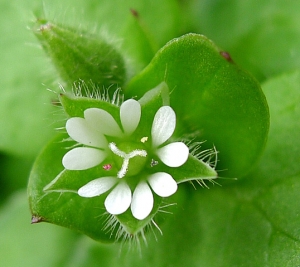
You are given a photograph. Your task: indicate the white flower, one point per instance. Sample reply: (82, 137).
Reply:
(93, 131)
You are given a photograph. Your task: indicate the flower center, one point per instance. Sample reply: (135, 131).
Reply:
(127, 153)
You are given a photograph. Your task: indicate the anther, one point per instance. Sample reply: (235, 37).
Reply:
(144, 139)
(153, 163)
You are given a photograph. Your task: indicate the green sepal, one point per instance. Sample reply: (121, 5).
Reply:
(134, 226)
(71, 181)
(75, 106)
(193, 170)
(212, 97)
(158, 95)
(81, 56)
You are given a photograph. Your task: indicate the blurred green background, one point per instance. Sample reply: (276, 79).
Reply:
(261, 36)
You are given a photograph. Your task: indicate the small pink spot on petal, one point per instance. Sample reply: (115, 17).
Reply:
(107, 167)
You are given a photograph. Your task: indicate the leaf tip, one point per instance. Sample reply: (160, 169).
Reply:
(36, 219)
(227, 56)
(134, 12)
(42, 25)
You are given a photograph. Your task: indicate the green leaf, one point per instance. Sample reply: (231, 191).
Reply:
(283, 145)
(281, 169)
(213, 98)
(80, 56)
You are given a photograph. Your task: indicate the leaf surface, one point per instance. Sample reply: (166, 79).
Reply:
(215, 101)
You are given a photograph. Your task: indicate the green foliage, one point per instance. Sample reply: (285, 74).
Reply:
(81, 57)
(251, 221)
(222, 104)
(23, 244)
(255, 216)
(24, 108)
(263, 36)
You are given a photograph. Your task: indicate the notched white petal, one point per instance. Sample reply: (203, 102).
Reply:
(80, 131)
(97, 187)
(82, 158)
(163, 125)
(102, 121)
(174, 154)
(162, 184)
(142, 201)
(130, 113)
(119, 199)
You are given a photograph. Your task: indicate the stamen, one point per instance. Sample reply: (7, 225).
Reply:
(153, 163)
(144, 139)
(107, 167)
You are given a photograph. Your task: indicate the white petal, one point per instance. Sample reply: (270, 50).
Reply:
(82, 158)
(163, 125)
(97, 187)
(80, 131)
(142, 201)
(119, 199)
(130, 113)
(162, 184)
(174, 154)
(102, 121)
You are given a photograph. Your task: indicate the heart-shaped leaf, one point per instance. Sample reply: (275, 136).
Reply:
(213, 98)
